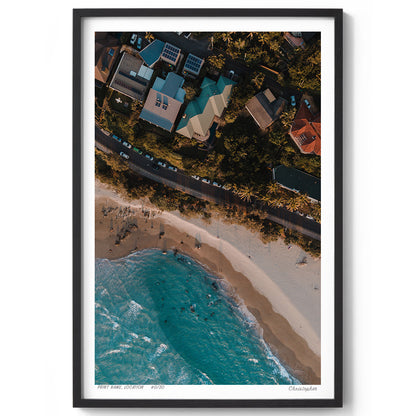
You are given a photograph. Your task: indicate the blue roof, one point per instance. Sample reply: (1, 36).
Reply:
(156, 119)
(209, 89)
(172, 84)
(151, 53)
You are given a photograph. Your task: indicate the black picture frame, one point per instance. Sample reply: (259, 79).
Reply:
(78, 400)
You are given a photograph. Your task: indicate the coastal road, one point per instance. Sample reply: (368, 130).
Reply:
(185, 183)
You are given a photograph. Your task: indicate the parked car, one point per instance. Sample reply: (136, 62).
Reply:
(163, 164)
(155, 167)
(127, 144)
(117, 138)
(307, 104)
(309, 217)
(149, 157)
(206, 180)
(133, 38)
(173, 168)
(139, 43)
(187, 35)
(216, 184)
(292, 100)
(227, 188)
(196, 177)
(122, 154)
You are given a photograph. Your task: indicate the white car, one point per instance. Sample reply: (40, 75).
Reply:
(216, 184)
(206, 180)
(149, 157)
(128, 145)
(161, 164)
(173, 168)
(196, 177)
(307, 104)
(122, 154)
(133, 38)
(309, 217)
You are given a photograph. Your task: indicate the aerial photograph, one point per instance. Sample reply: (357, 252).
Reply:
(207, 208)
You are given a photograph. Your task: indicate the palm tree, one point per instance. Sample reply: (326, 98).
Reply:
(246, 193)
(149, 36)
(266, 199)
(292, 204)
(262, 37)
(250, 35)
(226, 37)
(240, 44)
(273, 187)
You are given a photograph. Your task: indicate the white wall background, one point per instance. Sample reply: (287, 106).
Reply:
(35, 217)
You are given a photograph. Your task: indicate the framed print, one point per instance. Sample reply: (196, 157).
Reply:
(207, 211)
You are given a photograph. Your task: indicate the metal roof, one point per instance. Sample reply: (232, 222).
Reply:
(298, 181)
(151, 53)
(193, 64)
(170, 53)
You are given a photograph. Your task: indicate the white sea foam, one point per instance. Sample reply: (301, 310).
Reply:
(147, 339)
(111, 352)
(160, 349)
(125, 346)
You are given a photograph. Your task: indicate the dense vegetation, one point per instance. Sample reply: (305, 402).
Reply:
(111, 169)
(242, 156)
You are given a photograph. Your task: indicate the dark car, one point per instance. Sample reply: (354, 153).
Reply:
(155, 167)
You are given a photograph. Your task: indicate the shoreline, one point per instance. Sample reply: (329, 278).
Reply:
(123, 227)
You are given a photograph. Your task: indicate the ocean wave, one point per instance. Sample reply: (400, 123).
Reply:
(191, 328)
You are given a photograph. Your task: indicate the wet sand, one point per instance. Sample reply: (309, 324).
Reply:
(122, 229)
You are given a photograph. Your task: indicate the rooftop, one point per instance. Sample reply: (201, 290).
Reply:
(170, 54)
(128, 77)
(200, 112)
(298, 181)
(164, 101)
(306, 130)
(265, 108)
(107, 49)
(193, 64)
(151, 53)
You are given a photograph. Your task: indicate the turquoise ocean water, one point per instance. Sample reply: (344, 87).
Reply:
(163, 319)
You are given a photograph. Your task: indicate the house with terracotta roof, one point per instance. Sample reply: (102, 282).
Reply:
(295, 39)
(201, 111)
(265, 108)
(305, 130)
(131, 77)
(164, 101)
(107, 49)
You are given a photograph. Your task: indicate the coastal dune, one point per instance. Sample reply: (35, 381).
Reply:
(280, 286)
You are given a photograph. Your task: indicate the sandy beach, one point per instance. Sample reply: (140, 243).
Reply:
(280, 285)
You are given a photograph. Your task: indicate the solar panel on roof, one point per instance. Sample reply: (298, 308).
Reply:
(193, 63)
(170, 52)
